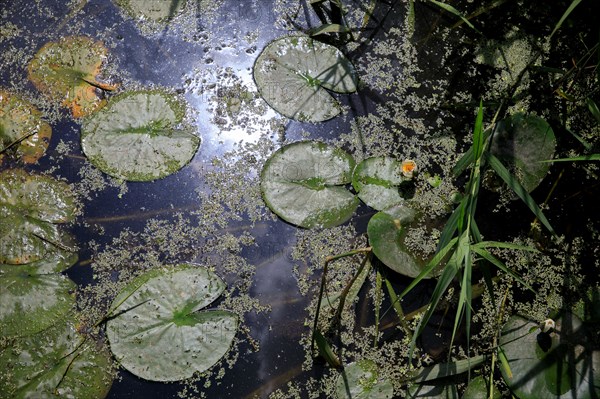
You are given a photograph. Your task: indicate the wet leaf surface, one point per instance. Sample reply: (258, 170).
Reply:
(377, 182)
(158, 331)
(359, 380)
(140, 136)
(303, 183)
(292, 74)
(67, 70)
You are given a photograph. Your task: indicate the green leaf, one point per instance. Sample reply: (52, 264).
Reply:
(439, 391)
(478, 388)
(32, 302)
(139, 136)
(326, 351)
(292, 74)
(328, 28)
(303, 183)
(386, 231)
(22, 129)
(521, 192)
(522, 142)
(449, 369)
(566, 14)
(591, 157)
(455, 12)
(377, 181)
(360, 380)
(593, 108)
(157, 332)
(55, 363)
(496, 262)
(561, 364)
(66, 71)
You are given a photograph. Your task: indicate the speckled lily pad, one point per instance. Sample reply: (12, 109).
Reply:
(377, 182)
(360, 380)
(159, 332)
(31, 302)
(22, 129)
(303, 183)
(55, 363)
(66, 71)
(292, 74)
(140, 136)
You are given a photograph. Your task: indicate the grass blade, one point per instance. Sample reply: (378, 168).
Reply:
(506, 245)
(498, 263)
(514, 184)
(574, 4)
(591, 157)
(593, 108)
(449, 369)
(454, 11)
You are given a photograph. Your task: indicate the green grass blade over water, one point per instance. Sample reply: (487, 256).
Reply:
(574, 4)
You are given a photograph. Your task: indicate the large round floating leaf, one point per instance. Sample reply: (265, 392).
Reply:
(441, 391)
(522, 142)
(66, 71)
(377, 181)
(556, 364)
(478, 388)
(55, 363)
(360, 380)
(292, 74)
(140, 136)
(32, 302)
(22, 129)
(387, 230)
(158, 332)
(303, 183)
(154, 10)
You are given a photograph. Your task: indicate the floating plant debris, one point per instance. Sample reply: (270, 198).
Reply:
(292, 74)
(154, 10)
(140, 136)
(158, 332)
(22, 129)
(303, 183)
(66, 71)
(55, 363)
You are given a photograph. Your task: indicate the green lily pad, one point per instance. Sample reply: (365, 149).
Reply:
(303, 183)
(377, 182)
(522, 142)
(360, 380)
(154, 10)
(478, 388)
(292, 74)
(22, 129)
(557, 364)
(159, 334)
(31, 302)
(66, 71)
(139, 136)
(387, 230)
(31, 206)
(55, 363)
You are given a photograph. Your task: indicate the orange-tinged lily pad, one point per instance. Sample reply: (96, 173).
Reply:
(22, 130)
(66, 71)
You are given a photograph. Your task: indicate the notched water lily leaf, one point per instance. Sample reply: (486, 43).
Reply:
(377, 181)
(557, 364)
(31, 206)
(154, 10)
(158, 331)
(55, 363)
(67, 70)
(140, 136)
(22, 130)
(31, 302)
(360, 380)
(292, 74)
(522, 142)
(303, 183)
(387, 230)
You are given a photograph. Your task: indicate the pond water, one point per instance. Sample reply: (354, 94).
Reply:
(420, 82)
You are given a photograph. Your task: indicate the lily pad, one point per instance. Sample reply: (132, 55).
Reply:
(66, 71)
(555, 364)
(31, 302)
(22, 128)
(140, 136)
(31, 206)
(157, 331)
(522, 142)
(292, 74)
(154, 10)
(303, 183)
(377, 181)
(478, 388)
(387, 230)
(360, 380)
(441, 391)
(55, 363)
